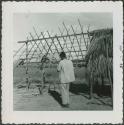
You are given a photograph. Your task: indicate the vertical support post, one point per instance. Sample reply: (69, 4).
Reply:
(91, 86)
(27, 80)
(109, 76)
(91, 80)
(88, 36)
(43, 80)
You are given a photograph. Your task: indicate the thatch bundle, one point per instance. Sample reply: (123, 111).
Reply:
(99, 58)
(99, 42)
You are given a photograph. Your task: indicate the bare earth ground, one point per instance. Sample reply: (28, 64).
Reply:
(30, 100)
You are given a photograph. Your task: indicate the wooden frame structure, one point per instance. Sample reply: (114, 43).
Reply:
(72, 43)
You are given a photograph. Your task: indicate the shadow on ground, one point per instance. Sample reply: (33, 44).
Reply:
(102, 90)
(79, 88)
(56, 96)
(84, 90)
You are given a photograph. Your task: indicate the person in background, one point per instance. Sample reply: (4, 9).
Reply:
(66, 75)
(43, 75)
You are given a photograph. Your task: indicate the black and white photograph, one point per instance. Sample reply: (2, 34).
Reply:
(64, 63)
(63, 60)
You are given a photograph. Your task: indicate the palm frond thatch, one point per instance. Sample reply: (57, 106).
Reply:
(99, 57)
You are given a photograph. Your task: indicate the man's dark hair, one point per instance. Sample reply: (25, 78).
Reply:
(62, 55)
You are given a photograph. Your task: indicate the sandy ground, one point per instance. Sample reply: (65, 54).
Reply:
(30, 100)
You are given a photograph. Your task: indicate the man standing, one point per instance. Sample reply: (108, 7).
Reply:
(66, 74)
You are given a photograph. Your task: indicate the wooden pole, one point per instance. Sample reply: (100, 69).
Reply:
(52, 37)
(27, 78)
(109, 75)
(90, 76)
(47, 43)
(35, 43)
(77, 41)
(88, 36)
(59, 43)
(31, 47)
(64, 38)
(19, 50)
(21, 54)
(91, 85)
(38, 37)
(53, 43)
(70, 38)
(82, 33)
(49, 46)
(65, 43)
(32, 55)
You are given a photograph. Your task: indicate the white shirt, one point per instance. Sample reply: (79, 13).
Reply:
(66, 71)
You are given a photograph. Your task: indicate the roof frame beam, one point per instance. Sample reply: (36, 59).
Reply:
(69, 38)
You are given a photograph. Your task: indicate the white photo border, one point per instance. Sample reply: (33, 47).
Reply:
(19, 117)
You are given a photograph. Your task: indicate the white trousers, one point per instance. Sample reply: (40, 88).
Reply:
(65, 93)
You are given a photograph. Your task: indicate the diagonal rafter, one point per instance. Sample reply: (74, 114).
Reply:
(35, 50)
(82, 33)
(70, 39)
(35, 42)
(32, 46)
(65, 43)
(21, 54)
(71, 47)
(47, 44)
(88, 34)
(59, 43)
(77, 41)
(40, 43)
(64, 38)
(38, 37)
(23, 51)
(19, 50)
(53, 42)
(32, 55)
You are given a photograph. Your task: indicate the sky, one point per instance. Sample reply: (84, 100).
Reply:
(23, 23)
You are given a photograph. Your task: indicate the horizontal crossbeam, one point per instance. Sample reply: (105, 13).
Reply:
(54, 37)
